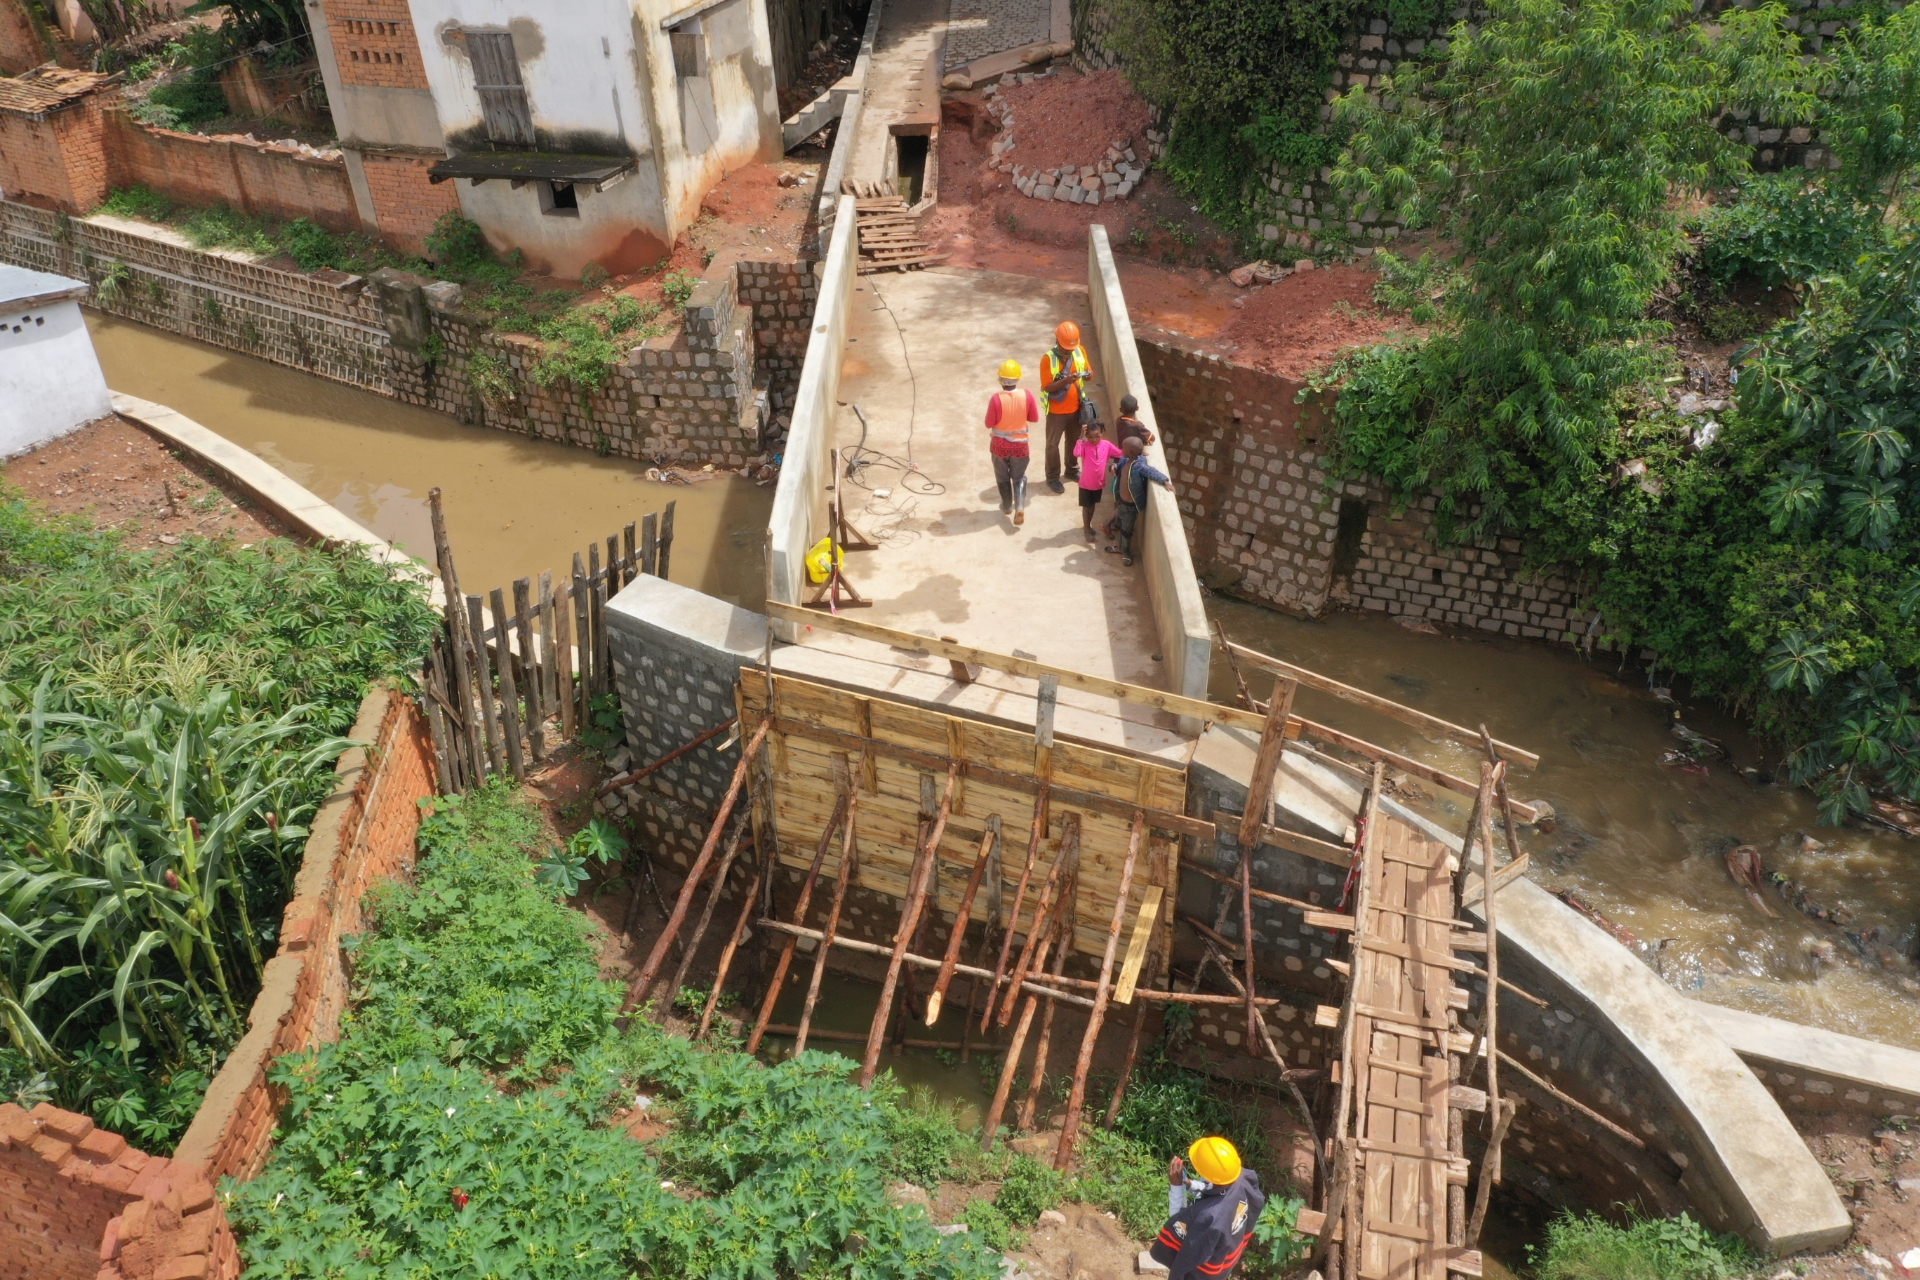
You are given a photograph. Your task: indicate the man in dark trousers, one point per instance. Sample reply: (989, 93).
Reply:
(1215, 1208)
(1130, 495)
(1063, 370)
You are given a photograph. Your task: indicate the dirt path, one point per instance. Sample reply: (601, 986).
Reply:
(119, 476)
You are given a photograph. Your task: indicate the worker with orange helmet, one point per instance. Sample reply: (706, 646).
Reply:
(1010, 414)
(1215, 1204)
(1062, 371)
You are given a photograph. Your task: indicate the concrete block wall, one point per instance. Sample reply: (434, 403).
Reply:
(78, 1203)
(782, 295)
(1264, 523)
(363, 833)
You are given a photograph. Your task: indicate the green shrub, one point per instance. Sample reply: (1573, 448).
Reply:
(1588, 1247)
(593, 275)
(923, 1137)
(678, 287)
(582, 345)
(1029, 1190)
(988, 1221)
(137, 201)
(1782, 227)
(310, 245)
(1123, 1177)
(417, 1166)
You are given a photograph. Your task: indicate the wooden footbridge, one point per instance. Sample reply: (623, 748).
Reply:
(1056, 848)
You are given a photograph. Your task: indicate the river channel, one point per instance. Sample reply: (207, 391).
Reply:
(1641, 840)
(515, 507)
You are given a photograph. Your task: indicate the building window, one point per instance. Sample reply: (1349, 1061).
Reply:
(503, 95)
(559, 199)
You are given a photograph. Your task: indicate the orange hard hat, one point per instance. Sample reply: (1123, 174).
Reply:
(1068, 334)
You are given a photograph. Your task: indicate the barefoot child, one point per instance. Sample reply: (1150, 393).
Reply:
(1094, 451)
(1130, 489)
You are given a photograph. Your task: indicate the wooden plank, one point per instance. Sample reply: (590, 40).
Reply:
(1293, 841)
(509, 698)
(1406, 764)
(1374, 702)
(1028, 668)
(1137, 945)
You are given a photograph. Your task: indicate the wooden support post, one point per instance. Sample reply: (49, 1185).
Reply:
(629, 557)
(509, 693)
(671, 930)
(1034, 840)
(1273, 740)
(1077, 1095)
(531, 684)
(849, 868)
(988, 843)
(666, 540)
(483, 682)
(1156, 879)
(1015, 1047)
(706, 913)
(583, 645)
(602, 592)
(732, 948)
(634, 775)
(927, 865)
(1064, 865)
(1491, 778)
(649, 543)
(447, 781)
(458, 645)
(564, 695)
(841, 807)
(1069, 903)
(1246, 695)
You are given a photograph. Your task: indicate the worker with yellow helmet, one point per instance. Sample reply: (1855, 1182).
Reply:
(1215, 1203)
(1010, 415)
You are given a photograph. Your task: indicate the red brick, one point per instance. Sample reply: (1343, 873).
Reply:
(102, 1147)
(191, 1267)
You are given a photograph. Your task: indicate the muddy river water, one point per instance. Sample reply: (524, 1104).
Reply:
(515, 507)
(1641, 840)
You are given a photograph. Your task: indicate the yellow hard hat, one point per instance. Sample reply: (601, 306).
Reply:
(1215, 1160)
(1010, 370)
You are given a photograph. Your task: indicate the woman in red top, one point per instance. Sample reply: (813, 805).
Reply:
(1010, 415)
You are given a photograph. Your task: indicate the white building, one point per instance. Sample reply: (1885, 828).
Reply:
(586, 132)
(50, 379)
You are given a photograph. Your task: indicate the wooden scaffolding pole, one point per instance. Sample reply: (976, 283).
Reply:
(1016, 1045)
(719, 886)
(1493, 778)
(1077, 1096)
(841, 806)
(849, 868)
(1067, 862)
(1037, 1078)
(732, 948)
(926, 866)
(988, 843)
(1273, 740)
(658, 956)
(1043, 763)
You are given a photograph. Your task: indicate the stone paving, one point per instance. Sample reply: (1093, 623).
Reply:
(976, 28)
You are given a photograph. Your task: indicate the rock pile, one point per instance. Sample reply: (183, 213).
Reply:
(1111, 176)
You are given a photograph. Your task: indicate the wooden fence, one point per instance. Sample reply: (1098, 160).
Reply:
(505, 688)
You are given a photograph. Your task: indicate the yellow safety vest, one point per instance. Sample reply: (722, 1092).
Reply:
(1067, 401)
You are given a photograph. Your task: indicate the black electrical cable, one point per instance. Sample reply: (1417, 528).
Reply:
(860, 458)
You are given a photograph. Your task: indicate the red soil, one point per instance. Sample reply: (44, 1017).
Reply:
(1172, 261)
(117, 476)
(1068, 119)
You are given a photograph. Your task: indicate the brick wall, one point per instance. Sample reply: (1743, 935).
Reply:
(1264, 524)
(363, 833)
(683, 398)
(374, 43)
(55, 161)
(254, 177)
(406, 203)
(77, 1203)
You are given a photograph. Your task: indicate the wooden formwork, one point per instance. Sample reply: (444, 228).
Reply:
(818, 730)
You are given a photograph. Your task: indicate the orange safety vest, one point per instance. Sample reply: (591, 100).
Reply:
(1067, 401)
(1013, 416)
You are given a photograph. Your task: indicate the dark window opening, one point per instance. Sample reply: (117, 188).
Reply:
(560, 198)
(912, 179)
(1348, 540)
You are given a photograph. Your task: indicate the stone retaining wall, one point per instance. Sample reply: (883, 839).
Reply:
(689, 397)
(1265, 525)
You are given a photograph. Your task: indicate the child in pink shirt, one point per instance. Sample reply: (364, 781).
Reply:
(1095, 452)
